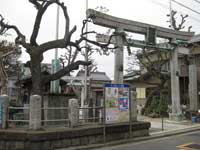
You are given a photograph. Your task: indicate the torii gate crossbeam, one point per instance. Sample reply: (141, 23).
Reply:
(136, 27)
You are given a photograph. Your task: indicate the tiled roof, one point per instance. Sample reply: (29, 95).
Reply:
(195, 39)
(98, 76)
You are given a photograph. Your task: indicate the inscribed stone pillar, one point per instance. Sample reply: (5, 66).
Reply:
(73, 112)
(119, 57)
(175, 89)
(35, 112)
(4, 110)
(133, 106)
(193, 93)
(46, 113)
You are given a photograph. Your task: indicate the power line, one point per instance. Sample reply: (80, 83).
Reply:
(197, 1)
(167, 7)
(193, 18)
(161, 4)
(186, 7)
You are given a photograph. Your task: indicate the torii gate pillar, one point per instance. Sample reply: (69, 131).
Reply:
(193, 90)
(176, 114)
(119, 57)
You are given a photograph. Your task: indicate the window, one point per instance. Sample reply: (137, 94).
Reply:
(141, 93)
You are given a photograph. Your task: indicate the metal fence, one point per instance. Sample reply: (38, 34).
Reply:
(18, 117)
(55, 116)
(91, 114)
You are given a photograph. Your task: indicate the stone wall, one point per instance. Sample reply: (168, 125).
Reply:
(63, 138)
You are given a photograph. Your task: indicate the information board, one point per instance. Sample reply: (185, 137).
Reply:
(116, 103)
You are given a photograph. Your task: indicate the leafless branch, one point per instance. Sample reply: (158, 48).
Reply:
(69, 57)
(84, 38)
(40, 13)
(20, 39)
(60, 43)
(65, 70)
(174, 21)
(35, 3)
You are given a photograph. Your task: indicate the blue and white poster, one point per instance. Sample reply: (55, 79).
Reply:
(117, 103)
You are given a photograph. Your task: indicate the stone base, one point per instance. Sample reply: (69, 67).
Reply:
(64, 138)
(176, 117)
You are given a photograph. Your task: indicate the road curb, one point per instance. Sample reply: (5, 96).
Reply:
(138, 139)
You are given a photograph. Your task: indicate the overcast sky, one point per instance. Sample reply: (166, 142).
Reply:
(22, 13)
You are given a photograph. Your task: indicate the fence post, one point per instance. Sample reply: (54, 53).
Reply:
(35, 112)
(73, 112)
(133, 106)
(4, 99)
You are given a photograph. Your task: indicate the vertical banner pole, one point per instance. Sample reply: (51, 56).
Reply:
(104, 116)
(130, 114)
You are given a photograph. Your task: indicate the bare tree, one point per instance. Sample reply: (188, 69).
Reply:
(93, 67)
(36, 50)
(173, 21)
(133, 63)
(9, 52)
(68, 57)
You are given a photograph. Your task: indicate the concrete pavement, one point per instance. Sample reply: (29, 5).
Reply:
(171, 128)
(168, 125)
(188, 141)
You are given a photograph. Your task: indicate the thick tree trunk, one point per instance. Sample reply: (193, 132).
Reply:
(36, 75)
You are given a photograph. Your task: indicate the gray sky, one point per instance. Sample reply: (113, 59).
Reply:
(22, 13)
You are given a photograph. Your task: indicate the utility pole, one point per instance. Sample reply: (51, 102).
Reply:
(86, 59)
(55, 64)
(170, 12)
(57, 31)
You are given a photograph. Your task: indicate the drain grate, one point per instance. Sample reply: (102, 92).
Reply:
(194, 146)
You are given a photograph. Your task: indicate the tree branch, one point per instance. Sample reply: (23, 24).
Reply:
(40, 13)
(174, 23)
(35, 3)
(84, 38)
(20, 39)
(65, 70)
(60, 43)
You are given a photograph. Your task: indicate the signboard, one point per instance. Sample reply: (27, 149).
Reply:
(116, 103)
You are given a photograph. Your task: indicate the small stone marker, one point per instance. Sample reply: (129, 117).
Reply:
(4, 110)
(73, 112)
(35, 112)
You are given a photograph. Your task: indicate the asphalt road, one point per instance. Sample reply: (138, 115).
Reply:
(189, 141)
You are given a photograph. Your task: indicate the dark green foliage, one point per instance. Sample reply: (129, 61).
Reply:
(157, 108)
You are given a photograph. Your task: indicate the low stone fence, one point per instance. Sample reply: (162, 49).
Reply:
(53, 110)
(38, 135)
(63, 138)
(48, 111)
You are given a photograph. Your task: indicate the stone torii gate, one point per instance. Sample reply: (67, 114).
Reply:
(151, 32)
